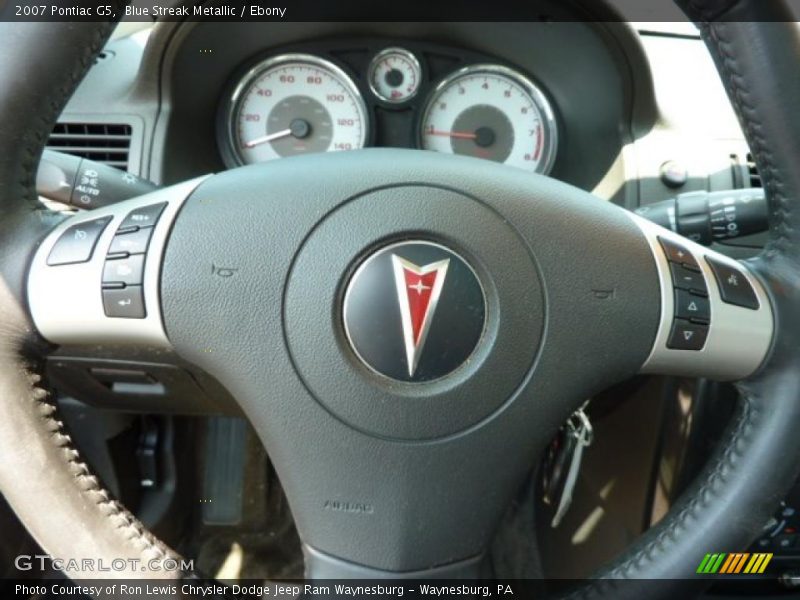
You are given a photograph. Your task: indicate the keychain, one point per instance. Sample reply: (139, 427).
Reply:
(563, 462)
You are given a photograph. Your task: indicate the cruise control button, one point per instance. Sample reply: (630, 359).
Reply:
(691, 306)
(128, 270)
(687, 279)
(686, 335)
(134, 242)
(678, 254)
(146, 216)
(733, 285)
(126, 302)
(77, 243)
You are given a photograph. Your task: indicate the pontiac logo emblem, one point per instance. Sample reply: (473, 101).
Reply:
(418, 291)
(414, 311)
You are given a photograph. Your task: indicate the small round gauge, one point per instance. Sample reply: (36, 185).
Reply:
(294, 104)
(491, 112)
(395, 75)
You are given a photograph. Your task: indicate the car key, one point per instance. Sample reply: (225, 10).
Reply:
(557, 459)
(556, 463)
(577, 435)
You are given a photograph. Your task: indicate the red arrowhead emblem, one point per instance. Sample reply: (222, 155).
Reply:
(418, 291)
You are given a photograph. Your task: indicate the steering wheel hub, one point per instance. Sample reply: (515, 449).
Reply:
(450, 365)
(414, 311)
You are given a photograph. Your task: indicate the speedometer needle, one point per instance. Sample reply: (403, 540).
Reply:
(268, 138)
(462, 135)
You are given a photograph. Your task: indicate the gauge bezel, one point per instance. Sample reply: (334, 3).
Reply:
(231, 154)
(415, 63)
(539, 98)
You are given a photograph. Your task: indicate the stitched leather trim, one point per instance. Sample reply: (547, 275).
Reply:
(35, 139)
(659, 541)
(738, 477)
(129, 527)
(20, 203)
(748, 115)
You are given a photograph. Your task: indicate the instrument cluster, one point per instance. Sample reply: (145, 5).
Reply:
(345, 97)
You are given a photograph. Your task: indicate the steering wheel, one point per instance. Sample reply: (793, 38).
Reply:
(404, 330)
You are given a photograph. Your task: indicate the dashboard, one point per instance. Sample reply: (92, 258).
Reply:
(549, 98)
(595, 104)
(349, 94)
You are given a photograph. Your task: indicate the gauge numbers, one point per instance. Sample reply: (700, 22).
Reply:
(295, 104)
(491, 112)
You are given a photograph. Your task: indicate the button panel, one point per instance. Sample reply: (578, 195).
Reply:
(67, 302)
(76, 244)
(692, 309)
(727, 343)
(123, 271)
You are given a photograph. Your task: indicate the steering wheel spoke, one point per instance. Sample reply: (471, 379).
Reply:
(95, 278)
(716, 318)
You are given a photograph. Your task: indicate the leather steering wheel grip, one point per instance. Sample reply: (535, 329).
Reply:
(755, 46)
(61, 503)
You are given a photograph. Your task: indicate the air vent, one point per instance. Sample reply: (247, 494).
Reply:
(102, 142)
(752, 171)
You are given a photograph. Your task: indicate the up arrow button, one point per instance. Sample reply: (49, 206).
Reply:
(691, 306)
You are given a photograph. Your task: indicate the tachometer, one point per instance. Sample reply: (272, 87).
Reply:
(293, 104)
(491, 112)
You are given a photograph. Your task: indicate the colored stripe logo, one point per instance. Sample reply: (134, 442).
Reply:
(734, 563)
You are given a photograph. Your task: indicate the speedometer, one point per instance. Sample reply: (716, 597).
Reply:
(293, 104)
(491, 112)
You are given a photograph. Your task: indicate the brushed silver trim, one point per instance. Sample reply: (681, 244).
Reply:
(409, 56)
(550, 124)
(232, 156)
(739, 339)
(66, 300)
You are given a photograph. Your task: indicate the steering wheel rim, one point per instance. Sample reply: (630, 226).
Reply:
(42, 438)
(735, 479)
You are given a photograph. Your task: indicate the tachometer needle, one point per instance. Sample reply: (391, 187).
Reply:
(268, 138)
(463, 135)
